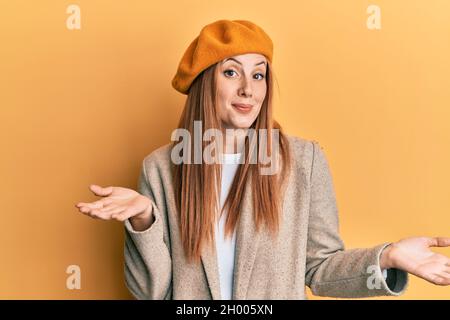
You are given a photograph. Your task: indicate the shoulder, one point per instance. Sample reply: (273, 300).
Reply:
(303, 148)
(308, 156)
(158, 159)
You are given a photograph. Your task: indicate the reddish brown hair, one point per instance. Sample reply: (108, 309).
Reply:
(197, 206)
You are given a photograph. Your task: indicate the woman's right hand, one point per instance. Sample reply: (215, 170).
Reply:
(117, 203)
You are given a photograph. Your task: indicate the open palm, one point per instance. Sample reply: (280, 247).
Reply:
(414, 256)
(117, 203)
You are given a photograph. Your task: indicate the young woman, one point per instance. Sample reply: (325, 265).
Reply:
(227, 229)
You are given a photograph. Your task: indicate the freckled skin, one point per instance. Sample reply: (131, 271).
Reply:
(242, 84)
(237, 83)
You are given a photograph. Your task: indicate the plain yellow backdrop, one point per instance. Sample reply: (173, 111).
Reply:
(86, 106)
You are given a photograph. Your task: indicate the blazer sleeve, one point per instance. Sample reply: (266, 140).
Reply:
(148, 265)
(330, 269)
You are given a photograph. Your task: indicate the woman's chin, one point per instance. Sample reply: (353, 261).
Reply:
(241, 125)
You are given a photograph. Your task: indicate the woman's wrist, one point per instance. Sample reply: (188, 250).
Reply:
(144, 220)
(386, 261)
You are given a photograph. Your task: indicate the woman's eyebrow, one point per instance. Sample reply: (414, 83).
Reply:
(262, 62)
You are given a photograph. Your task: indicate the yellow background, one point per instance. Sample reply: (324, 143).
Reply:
(86, 106)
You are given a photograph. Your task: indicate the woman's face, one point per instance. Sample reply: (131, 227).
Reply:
(241, 79)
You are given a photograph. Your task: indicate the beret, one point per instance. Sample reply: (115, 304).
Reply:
(217, 41)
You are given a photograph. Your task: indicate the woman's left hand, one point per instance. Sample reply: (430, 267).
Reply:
(414, 256)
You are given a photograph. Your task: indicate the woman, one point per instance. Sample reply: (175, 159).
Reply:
(221, 229)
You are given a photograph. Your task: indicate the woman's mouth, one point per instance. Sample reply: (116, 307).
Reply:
(242, 108)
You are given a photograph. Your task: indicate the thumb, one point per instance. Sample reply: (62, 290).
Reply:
(439, 242)
(99, 191)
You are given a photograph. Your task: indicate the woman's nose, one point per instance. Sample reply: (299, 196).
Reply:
(245, 88)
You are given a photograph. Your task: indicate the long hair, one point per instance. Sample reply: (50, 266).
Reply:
(197, 204)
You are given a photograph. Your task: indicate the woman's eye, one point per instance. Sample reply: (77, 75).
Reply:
(262, 76)
(226, 72)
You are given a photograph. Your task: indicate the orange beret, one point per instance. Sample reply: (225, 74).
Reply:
(217, 41)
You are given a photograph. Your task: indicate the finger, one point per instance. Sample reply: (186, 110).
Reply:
(107, 215)
(84, 209)
(97, 213)
(112, 212)
(87, 211)
(93, 216)
(96, 204)
(439, 242)
(82, 204)
(442, 279)
(99, 191)
(436, 279)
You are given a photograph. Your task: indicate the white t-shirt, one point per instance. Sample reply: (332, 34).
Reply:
(226, 249)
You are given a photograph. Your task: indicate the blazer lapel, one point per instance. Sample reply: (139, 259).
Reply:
(211, 269)
(247, 240)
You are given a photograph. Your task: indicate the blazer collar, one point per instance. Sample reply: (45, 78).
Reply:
(247, 240)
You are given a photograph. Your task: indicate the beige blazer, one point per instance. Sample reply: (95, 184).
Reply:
(308, 251)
